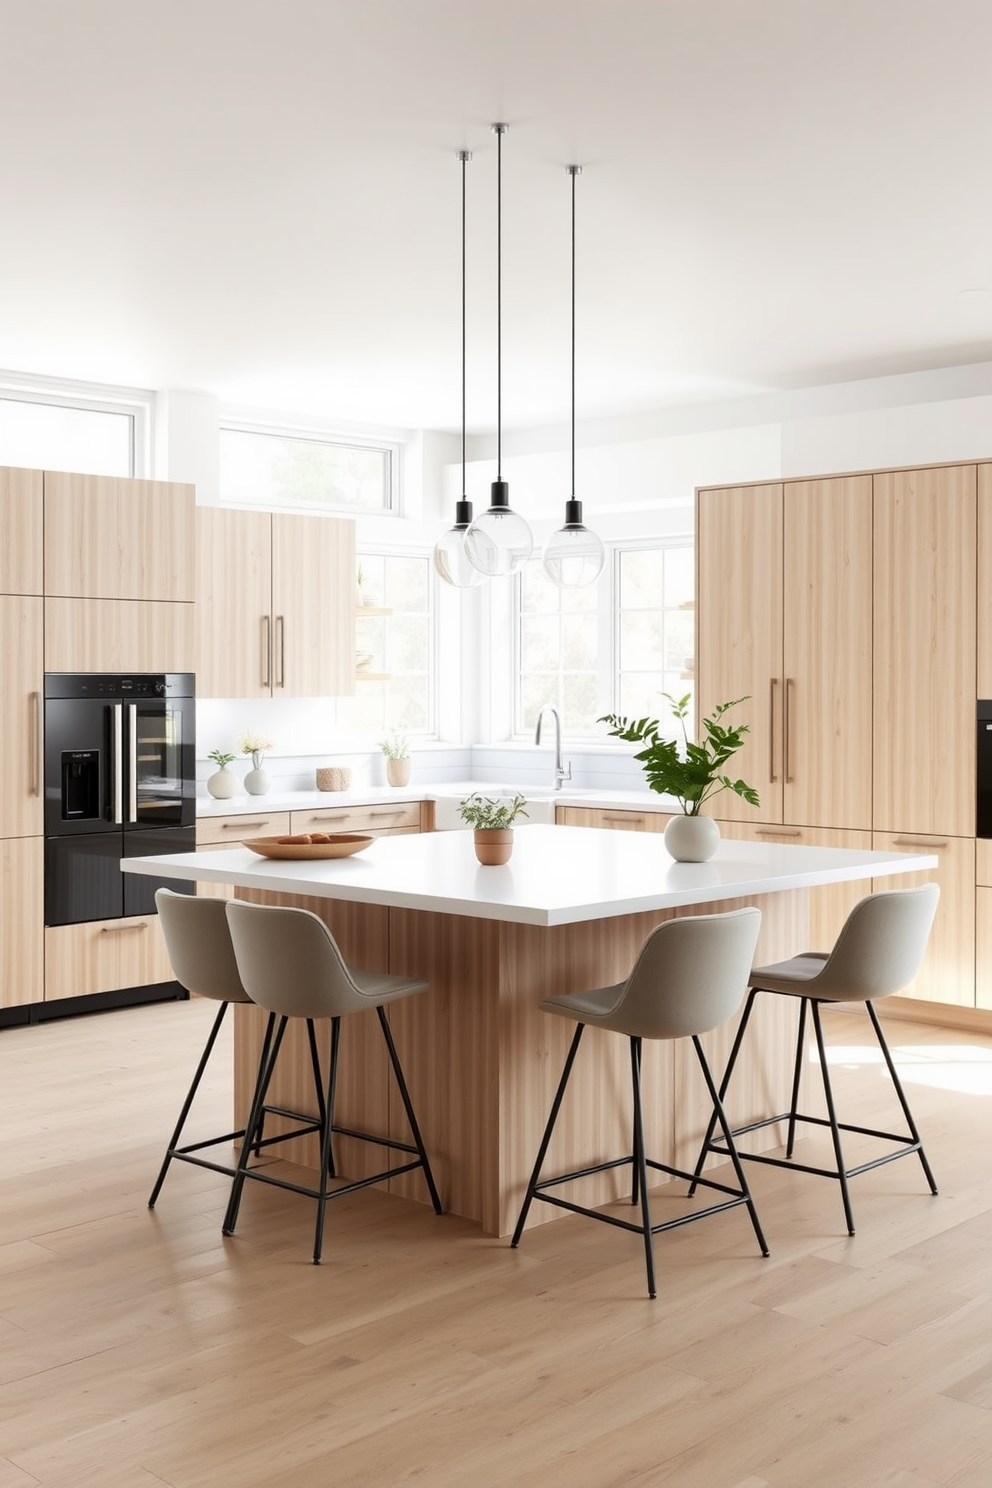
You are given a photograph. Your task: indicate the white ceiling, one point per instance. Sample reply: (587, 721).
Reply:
(260, 199)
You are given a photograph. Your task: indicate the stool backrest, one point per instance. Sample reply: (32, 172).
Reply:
(690, 976)
(290, 963)
(880, 946)
(199, 945)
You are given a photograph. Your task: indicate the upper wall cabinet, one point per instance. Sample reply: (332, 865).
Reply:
(784, 591)
(925, 615)
(275, 604)
(21, 540)
(112, 538)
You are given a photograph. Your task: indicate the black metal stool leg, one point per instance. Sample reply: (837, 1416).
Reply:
(797, 1075)
(187, 1103)
(728, 1137)
(318, 1082)
(897, 1084)
(265, 1069)
(724, 1086)
(548, 1132)
(635, 1148)
(832, 1115)
(408, 1107)
(327, 1108)
(640, 1162)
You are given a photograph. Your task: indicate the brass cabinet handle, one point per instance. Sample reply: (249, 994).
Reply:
(281, 633)
(386, 813)
(778, 831)
(119, 929)
(772, 777)
(266, 651)
(622, 818)
(337, 818)
(239, 826)
(37, 769)
(927, 842)
(787, 733)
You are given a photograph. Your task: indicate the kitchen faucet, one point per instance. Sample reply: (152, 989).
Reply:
(562, 772)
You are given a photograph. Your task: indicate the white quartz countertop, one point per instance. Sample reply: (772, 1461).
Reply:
(375, 795)
(556, 876)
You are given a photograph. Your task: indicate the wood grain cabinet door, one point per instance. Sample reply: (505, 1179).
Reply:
(313, 605)
(233, 603)
(22, 551)
(924, 651)
(21, 684)
(827, 660)
(739, 631)
(108, 537)
(948, 970)
(22, 914)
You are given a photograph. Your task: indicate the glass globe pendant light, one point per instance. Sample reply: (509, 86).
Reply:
(573, 556)
(499, 542)
(450, 558)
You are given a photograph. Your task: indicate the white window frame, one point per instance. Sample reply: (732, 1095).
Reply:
(394, 550)
(337, 437)
(135, 404)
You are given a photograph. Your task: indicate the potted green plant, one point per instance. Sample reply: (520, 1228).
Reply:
(692, 772)
(223, 783)
(397, 752)
(493, 823)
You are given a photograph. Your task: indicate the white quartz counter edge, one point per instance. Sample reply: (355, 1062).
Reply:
(557, 875)
(373, 795)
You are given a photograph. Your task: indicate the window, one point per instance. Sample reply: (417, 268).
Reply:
(655, 628)
(394, 648)
(614, 647)
(274, 469)
(61, 435)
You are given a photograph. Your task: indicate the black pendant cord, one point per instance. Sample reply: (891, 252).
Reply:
(499, 128)
(573, 172)
(465, 157)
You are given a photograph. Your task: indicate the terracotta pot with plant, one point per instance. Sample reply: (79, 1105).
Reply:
(493, 823)
(691, 772)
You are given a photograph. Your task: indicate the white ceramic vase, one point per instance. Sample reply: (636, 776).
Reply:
(223, 784)
(398, 771)
(692, 839)
(257, 783)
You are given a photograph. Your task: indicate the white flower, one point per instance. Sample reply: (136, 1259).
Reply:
(255, 745)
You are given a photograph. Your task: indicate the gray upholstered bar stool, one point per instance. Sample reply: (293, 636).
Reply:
(689, 977)
(290, 964)
(878, 952)
(198, 942)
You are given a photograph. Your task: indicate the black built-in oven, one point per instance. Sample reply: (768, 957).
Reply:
(120, 781)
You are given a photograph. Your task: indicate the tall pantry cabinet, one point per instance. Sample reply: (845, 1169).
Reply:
(22, 667)
(847, 608)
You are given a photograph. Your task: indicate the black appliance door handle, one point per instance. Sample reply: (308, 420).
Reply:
(117, 763)
(132, 762)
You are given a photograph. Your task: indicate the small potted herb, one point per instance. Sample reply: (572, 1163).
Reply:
(397, 753)
(223, 783)
(493, 823)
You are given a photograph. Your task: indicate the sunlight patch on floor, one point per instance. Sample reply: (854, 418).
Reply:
(963, 1067)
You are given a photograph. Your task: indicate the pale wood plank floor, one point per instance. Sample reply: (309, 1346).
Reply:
(141, 1349)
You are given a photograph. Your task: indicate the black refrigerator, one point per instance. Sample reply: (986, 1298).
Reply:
(120, 781)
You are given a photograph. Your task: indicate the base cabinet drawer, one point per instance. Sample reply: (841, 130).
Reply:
(22, 915)
(405, 816)
(617, 821)
(230, 831)
(104, 956)
(948, 970)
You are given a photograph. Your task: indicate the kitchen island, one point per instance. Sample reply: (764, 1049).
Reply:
(569, 911)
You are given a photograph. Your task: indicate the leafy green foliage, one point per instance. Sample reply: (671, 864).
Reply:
(694, 772)
(220, 757)
(485, 814)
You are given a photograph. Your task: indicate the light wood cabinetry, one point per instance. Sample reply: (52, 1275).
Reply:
(22, 912)
(109, 635)
(948, 971)
(21, 531)
(984, 627)
(104, 956)
(215, 832)
(829, 904)
(784, 592)
(383, 821)
(924, 650)
(21, 686)
(115, 538)
(618, 820)
(275, 604)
